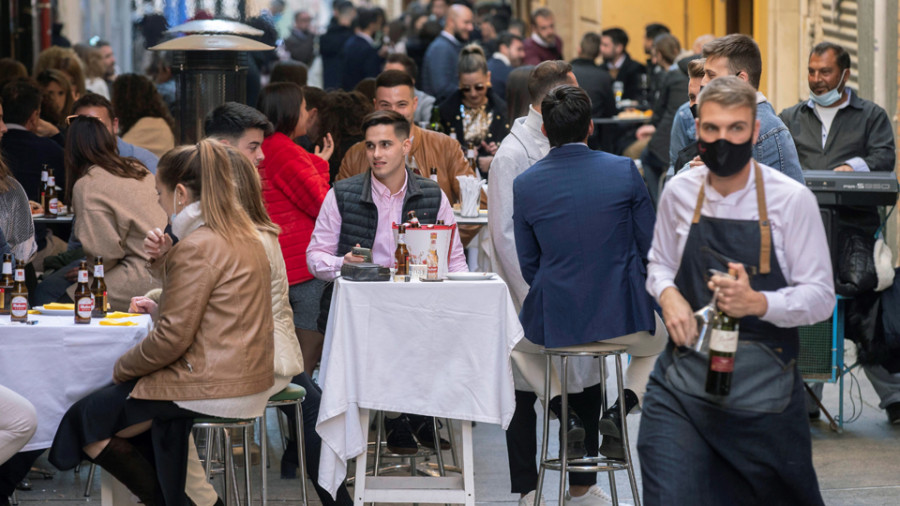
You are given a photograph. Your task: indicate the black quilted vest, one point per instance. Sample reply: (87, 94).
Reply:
(359, 216)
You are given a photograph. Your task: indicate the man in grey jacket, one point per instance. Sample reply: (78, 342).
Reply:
(522, 148)
(837, 130)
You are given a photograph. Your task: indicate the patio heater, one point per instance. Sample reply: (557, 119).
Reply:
(210, 65)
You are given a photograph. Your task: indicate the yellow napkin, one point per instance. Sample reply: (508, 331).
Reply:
(118, 314)
(116, 323)
(33, 311)
(54, 306)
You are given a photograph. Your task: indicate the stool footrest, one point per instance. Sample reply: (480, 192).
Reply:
(599, 349)
(587, 465)
(222, 421)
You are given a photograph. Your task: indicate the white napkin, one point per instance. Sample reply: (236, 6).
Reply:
(469, 195)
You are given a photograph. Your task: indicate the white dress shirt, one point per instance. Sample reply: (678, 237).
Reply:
(798, 237)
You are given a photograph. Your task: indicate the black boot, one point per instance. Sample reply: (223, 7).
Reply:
(423, 428)
(611, 427)
(400, 436)
(289, 463)
(123, 461)
(574, 427)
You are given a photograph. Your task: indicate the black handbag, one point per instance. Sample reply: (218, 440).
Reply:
(856, 263)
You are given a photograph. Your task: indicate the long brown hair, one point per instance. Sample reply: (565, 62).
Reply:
(89, 143)
(205, 169)
(249, 191)
(134, 97)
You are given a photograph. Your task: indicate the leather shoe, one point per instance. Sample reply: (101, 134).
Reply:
(893, 413)
(574, 436)
(425, 435)
(611, 421)
(399, 436)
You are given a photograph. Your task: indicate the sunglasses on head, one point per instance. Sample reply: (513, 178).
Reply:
(478, 87)
(70, 119)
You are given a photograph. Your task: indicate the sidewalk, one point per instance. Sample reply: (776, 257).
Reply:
(860, 467)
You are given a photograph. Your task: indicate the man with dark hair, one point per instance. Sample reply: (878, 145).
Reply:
(92, 104)
(439, 76)
(400, 61)
(594, 79)
(239, 126)
(543, 44)
(331, 43)
(508, 56)
(23, 149)
(301, 42)
(838, 130)
(109, 59)
(359, 58)
(382, 194)
(738, 55)
(613, 42)
(562, 210)
(655, 71)
(751, 446)
(394, 92)
(651, 32)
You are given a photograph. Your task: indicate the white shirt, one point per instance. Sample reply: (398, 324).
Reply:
(798, 237)
(502, 57)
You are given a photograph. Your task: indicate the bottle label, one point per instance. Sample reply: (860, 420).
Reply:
(433, 177)
(19, 306)
(98, 271)
(7, 268)
(721, 364)
(54, 206)
(20, 275)
(51, 181)
(43, 176)
(85, 306)
(723, 341)
(82, 276)
(470, 153)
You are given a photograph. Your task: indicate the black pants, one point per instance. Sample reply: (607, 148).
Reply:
(15, 470)
(312, 442)
(521, 438)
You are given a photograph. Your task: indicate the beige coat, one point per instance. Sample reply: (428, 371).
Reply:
(112, 217)
(152, 134)
(213, 339)
(288, 357)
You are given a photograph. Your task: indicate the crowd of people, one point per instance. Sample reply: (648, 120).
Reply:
(601, 232)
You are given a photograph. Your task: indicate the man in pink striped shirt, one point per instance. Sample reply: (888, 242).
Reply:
(361, 211)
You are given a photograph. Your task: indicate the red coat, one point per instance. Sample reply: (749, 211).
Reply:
(294, 186)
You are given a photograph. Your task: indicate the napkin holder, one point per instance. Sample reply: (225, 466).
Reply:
(364, 271)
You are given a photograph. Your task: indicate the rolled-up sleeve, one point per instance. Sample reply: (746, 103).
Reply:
(809, 298)
(321, 253)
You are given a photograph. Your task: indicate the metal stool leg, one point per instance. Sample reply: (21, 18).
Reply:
(452, 440)
(604, 400)
(282, 429)
(247, 461)
(230, 482)
(437, 445)
(623, 413)
(210, 445)
(379, 431)
(563, 424)
(545, 438)
(90, 480)
(301, 452)
(264, 457)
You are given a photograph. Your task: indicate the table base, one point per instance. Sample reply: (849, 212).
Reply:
(409, 489)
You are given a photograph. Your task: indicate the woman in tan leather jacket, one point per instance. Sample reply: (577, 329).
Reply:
(211, 351)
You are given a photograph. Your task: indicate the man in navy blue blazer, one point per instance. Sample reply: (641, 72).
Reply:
(583, 223)
(359, 57)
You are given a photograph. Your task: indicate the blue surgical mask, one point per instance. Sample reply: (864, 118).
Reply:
(829, 97)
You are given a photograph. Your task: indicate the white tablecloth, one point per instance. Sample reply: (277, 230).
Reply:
(55, 363)
(438, 349)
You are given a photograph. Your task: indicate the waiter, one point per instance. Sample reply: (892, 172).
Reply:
(752, 446)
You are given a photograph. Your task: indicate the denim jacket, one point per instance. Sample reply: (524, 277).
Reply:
(774, 147)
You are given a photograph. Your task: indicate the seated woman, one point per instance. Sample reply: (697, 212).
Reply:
(115, 204)
(474, 113)
(144, 119)
(211, 351)
(16, 226)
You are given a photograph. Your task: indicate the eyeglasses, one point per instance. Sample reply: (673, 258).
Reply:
(478, 87)
(70, 119)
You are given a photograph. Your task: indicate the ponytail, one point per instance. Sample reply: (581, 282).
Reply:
(205, 169)
(249, 191)
(472, 59)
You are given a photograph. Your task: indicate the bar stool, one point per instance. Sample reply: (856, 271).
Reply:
(292, 395)
(222, 426)
(587, 464)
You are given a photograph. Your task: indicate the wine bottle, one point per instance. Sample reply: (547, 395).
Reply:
(723, 344)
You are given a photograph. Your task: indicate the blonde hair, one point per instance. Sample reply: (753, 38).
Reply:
(249, 191)
(205, 169)
(66, 60)
(695, 68)
(472, 59)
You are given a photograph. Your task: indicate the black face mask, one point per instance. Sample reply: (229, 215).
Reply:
(724, 158)
(694, 111)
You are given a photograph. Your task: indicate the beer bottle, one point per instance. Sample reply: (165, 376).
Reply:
(401, 255)
(431, 261)
(723, 344)
(412, 220)
(98, 290)
(84, 300)
(472, 157)
(44, 187)
(453, 133)
(52, 208)
(433, 174)
(6, 284)
(436, 119)
(18, 306)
